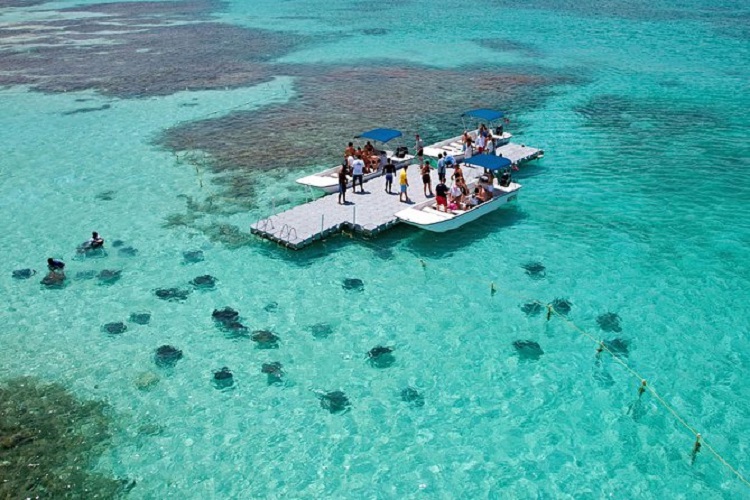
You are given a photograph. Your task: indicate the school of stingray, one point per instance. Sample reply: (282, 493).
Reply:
(229, 322)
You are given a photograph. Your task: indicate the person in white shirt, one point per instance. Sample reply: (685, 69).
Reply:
(358, 170)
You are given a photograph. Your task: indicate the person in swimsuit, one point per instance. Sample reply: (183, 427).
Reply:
(55, 265)
(403, 181)
(343, 179)
(390, 171)
(426, 180)
(419, 147)
(349, 151)
(458, 179)
(96, 241)
(441, 196)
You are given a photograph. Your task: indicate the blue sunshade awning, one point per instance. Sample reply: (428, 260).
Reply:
(485, 114)
(380, 134)
(490, 162)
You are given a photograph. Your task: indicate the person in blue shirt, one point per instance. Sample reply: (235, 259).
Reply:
(55, 265)
(441, 167)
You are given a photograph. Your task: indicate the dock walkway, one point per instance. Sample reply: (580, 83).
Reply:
(367, 213)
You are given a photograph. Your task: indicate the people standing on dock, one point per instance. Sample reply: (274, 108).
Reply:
(343, 179)
(441, 168)
(358, 171)
(419, 147)
(426, 180)
(390, 171)
(403, 182)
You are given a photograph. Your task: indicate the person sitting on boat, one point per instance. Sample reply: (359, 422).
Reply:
(441, 195)
(475, 199)
(359, 153)
(369, 149)
(450, 161)
(483, 132)
(456, 197)
(349, 151)
(486, 191)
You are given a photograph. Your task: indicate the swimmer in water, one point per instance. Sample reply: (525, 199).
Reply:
(96, 241)
(55, 265)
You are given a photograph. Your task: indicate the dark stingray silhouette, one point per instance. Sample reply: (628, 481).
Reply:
(528, 349)
(381, 357)
(193, 256)
(532, 308)
(115, 328)
(172, 294)
(413, 397)
(535, 269)
(353, 284)
(223, 379)
(335, 402)
(23, 274)
(609, 322)
(265, 339)
(618, 347)
(562, 306)
(321, 330)
(167, 356)
(140, 318)
(109, 276)
(273, 371)
(205, 282)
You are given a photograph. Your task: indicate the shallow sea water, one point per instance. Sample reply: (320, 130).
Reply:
(639, 208)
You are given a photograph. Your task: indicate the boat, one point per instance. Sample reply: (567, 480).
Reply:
(454, 146)
(328, 180)
(426, 215)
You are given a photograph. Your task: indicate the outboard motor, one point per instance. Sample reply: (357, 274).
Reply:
(499, 130)
(401, 151)
(505, 179)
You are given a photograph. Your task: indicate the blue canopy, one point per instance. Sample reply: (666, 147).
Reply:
(380, 134)
(490, 162)
(485, 114)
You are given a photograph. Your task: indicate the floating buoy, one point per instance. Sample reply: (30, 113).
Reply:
(642, 388)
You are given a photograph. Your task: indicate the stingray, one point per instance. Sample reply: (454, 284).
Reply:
(609, 322)
(223, 379)
(618, 346)
(86, 275)
(128, 252)
(117, 243)
(167, 356)
(273, 371)
(562, 306)
(106, 196)
(381, 357)
(528, 349)
(532, 308)
(109, 276)
(265, 339)
(235, 330)
(205, 282)
(23, 274)
(335, 402)
(140, 318)
(172, 294)
(535, 269)
(321, 330)
(54, 280)
(271, 307)
(353, 284)
(413, 397)
(115, 328)
(225, 315)
(193, 256)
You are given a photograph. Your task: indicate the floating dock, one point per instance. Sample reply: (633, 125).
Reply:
(366, 213)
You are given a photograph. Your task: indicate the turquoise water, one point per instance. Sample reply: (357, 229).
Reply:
(639, 208)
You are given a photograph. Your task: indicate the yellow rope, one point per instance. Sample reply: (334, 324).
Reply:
(601, 346)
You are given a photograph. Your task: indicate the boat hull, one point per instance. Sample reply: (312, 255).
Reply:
(425, 217)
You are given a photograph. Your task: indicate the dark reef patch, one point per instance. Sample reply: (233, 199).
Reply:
(609, 322)
(172, 294)
(23, 274)
(140, 318)
(508, 45)
(115, 328)
(335, 402)
(45, 425)
(413, 397)
(167, 356)
(141, 49)
(528, 349)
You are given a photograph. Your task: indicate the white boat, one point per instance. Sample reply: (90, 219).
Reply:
(426, 215)
(454, 146)
(328, 180)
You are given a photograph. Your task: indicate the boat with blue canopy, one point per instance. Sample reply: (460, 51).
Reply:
(486, 135)
(327, 180)
(486, 193)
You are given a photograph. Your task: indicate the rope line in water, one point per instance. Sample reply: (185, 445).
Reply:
(601, 346)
